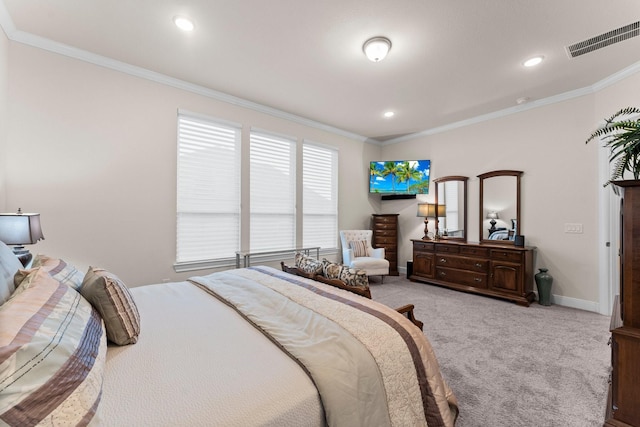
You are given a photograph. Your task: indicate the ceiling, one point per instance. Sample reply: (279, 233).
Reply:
(450, 60)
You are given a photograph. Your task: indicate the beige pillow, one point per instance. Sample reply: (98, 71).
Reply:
(359, 248)
(111, 297)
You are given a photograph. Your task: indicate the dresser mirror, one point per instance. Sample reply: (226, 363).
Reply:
(451, 192)
(500, 207)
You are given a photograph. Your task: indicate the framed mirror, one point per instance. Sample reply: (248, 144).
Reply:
(499, 209)
(451, 194)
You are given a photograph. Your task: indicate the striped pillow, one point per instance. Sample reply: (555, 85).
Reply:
(359, 248)
(111, 297)
(52, 355)
(60, 270)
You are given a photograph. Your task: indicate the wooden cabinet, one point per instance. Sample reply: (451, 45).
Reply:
(500, 272)
(624, 404)
(385, 235)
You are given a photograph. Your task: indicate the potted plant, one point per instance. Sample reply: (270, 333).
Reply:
(622, 136)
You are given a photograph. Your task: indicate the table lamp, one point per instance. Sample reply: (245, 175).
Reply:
(20, 229)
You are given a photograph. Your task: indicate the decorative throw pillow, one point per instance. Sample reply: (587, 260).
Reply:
(53, 355)
(9, 265)
(331, 270)
(359, 248)
(308, 264)
(354, 277)
(111, 297)
(60, 270)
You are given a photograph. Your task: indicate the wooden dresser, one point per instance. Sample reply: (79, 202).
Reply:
(498, 271)
(385, 235)
(624, 399)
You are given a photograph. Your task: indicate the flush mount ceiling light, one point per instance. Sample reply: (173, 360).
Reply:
(377, 48)
(185, 24)
(532, 62)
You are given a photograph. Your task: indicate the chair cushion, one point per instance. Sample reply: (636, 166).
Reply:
(371, 264)
(359, 248)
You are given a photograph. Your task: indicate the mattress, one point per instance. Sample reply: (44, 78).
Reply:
(197, 362)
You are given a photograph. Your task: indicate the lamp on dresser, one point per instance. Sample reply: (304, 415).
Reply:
(430, 210)
(492, 216)
(20, 229)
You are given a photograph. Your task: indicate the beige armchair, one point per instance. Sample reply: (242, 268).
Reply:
(361, 254)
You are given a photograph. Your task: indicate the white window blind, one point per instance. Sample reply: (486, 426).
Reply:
(272, 194)
(320, 196)
(208, 189)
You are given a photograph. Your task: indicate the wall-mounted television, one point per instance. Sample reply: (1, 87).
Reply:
(399, 177)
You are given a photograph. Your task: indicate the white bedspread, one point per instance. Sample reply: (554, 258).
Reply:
(213, 368)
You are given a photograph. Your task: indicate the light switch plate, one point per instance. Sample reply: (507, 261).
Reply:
(574, 228)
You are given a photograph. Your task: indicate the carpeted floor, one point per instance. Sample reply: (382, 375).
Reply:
(510, 365)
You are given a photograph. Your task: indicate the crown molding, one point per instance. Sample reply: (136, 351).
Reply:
(13, 34)
(587, 90)
(49, 45)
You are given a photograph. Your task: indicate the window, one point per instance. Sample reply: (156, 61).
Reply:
(273, 191)
(320, 196)
(208, 189)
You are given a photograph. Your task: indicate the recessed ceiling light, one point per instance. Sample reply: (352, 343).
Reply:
(185, 24)
(532, 62)
(522, 100)
(388, 114)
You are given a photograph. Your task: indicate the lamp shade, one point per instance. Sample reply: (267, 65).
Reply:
(492, 215)
(20, 228)
(428, 210)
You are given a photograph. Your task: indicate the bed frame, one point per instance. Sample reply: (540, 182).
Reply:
(405, 309)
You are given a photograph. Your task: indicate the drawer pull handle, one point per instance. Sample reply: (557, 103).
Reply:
(443, 260)
(478, 265)
(477, 279)
(442, 273)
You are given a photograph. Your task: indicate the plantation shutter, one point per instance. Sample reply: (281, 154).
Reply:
(208, 189)
(320, 196)
(272, 194)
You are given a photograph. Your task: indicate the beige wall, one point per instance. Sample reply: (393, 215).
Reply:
(4, 68)
(94, 151)
(560, 182)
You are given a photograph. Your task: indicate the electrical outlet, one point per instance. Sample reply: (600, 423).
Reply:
(574, 228)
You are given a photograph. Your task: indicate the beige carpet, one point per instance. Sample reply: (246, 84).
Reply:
(510, 365)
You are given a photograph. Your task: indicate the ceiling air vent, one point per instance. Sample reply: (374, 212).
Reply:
(603, 40)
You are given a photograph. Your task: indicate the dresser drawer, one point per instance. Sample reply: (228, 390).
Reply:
(506, 255)
(462, 263)
(445, 248)
(385, 218)
(423, 246)
(462, 277)
(385, 233)
(474, 251)
(379, 240)
(379, 226)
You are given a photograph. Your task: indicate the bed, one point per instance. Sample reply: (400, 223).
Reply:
(247, 347)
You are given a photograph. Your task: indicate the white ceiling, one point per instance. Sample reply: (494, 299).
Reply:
(450, 60)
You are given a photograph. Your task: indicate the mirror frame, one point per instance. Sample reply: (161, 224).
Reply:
(451, 178)
(493, 174)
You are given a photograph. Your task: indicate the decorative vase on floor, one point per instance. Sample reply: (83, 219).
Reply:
(543, 282)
